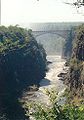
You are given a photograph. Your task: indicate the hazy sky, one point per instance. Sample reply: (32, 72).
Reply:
(25, 11)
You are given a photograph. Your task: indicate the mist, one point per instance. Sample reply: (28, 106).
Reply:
(52, 43)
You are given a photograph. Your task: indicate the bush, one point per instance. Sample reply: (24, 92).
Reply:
(56, 112)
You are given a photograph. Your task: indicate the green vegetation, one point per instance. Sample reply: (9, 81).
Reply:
(55, 111)
(22, 63)
(20, 56)
(75, 76)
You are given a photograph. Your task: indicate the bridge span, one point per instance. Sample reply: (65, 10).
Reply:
(61, 33)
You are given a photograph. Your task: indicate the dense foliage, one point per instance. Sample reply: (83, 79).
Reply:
(56, 112)
(75, 76)
(22, 60)
(22, 63)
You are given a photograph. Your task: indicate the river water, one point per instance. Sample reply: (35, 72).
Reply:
(51, 81)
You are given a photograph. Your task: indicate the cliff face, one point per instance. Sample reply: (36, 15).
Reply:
(67, 49)
(22, 59)
(22, 63)
(75, 77)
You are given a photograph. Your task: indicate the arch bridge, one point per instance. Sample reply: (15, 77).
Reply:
(61, 33)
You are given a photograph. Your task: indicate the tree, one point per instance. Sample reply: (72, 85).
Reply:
(77, 4)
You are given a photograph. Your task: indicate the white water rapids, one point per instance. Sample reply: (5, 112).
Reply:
(51, 81)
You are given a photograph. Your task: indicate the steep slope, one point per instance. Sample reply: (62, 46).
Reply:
(22, 63)
(75, 77)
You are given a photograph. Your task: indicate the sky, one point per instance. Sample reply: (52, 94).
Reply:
(27, 11)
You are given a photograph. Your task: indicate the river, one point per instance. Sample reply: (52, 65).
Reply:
(51, 81)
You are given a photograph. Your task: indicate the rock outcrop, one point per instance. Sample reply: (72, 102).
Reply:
(22, 63)
(75, 76)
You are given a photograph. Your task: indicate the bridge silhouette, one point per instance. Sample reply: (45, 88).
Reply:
(61, 33)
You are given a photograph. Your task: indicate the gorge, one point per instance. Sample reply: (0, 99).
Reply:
(26, 61)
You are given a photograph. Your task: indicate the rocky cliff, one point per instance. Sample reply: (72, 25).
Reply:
(75, 76)
(22, 63)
